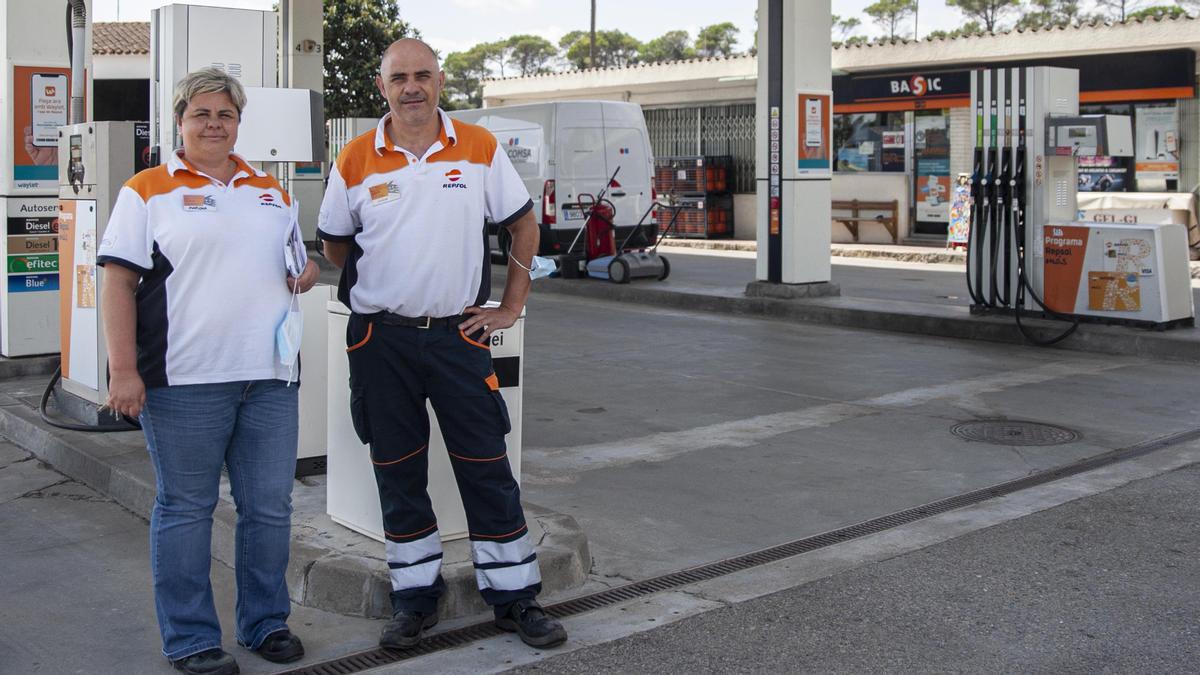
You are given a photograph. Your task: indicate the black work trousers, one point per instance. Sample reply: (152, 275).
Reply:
(394, 370)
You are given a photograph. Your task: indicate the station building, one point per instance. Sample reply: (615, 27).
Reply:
(902, 111)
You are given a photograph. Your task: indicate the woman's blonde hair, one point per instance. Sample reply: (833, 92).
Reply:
(208, 81)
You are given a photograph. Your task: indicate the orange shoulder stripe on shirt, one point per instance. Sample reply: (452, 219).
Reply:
(267, 182)
(358, 160)
(157, 181)
(474, 145)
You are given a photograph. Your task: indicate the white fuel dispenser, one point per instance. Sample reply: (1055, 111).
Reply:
(94, 160)
(1117, 272)
(1025, 241)
(37, 89)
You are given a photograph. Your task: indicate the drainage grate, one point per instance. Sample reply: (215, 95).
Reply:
(374, 658)
(1013, 432)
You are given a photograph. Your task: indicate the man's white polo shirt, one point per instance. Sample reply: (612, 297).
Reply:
(418, 223)
(212, 271)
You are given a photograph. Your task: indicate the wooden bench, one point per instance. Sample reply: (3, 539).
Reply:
(888, 218)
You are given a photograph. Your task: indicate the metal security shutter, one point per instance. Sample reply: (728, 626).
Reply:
(707, 130)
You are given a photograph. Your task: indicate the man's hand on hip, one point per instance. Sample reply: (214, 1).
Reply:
(488, 319)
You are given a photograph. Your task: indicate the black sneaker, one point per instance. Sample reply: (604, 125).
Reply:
(404, 630)
(527, 619)
(213, 661)
(281, 647)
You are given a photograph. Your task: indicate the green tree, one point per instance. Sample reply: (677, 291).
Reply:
(675, 45)
(1052, 14)
(494, 54)
(465, 73)
(857, 40)
(1118, 10)
(614, 48)
(1156, 12)
(968, 28)
(717, 39)
(530, 54)
(989, 13)
(356, 32)
(844, 26)
(889, 14)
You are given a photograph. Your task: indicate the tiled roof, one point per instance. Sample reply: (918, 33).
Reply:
(123, 37)
(699, 59)
(883, 43)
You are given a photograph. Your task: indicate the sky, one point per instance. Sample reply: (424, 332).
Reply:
(455, 25)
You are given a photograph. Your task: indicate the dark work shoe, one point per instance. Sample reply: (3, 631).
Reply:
(281, 647)
(527, 619)
(208, 662)
(405, 628)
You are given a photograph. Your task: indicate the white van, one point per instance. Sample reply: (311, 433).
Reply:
(564, 149)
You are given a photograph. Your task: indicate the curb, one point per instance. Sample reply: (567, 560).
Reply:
(27, 366)
(915, 254)
(935, 256)
(918, 254)
(318, 576)
(898, 317)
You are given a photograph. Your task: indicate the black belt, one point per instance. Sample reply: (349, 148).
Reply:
(389, 319)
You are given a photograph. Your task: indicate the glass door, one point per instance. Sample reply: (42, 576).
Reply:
(931, 171)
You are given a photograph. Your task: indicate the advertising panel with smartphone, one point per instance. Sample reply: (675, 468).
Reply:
(40, 103)
(48, 107)
(1157, 143)
(814, 155)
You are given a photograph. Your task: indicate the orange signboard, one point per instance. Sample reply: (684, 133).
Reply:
(1064, 250)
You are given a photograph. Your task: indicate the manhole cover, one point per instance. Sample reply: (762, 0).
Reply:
(1011, 432)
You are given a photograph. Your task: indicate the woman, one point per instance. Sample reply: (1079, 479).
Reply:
(195, 288)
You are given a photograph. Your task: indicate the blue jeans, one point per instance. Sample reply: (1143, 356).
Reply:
(191, 432)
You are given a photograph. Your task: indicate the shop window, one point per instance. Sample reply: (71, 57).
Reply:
(1155, 164)
(869, 141)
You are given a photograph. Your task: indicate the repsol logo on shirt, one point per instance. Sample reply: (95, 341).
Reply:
(454, 176)
(267, 199)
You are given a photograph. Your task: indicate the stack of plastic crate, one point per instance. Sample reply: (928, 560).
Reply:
(701, 186)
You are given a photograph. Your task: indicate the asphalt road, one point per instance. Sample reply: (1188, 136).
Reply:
(1106, 584)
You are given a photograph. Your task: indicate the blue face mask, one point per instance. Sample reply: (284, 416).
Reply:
(542, 267)
(539, 266)
(290, 331)
(288, 335)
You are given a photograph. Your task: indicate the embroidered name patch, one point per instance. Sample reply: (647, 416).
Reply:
(199, 203)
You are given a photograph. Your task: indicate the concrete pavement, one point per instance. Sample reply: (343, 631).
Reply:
(75, 584)
(1104, 584)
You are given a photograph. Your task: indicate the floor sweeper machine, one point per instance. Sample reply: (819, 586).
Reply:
(601, 257)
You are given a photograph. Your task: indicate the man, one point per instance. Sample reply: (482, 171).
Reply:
(403, 216)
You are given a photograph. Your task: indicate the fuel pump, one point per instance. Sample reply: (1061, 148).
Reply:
(39, 92)
(1025, 240)
(95, 160)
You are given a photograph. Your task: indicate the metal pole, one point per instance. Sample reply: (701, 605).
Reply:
(774, 57)
(592, 48)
